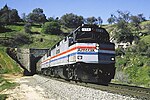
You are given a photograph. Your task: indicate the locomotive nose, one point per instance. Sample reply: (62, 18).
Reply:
(106, 53)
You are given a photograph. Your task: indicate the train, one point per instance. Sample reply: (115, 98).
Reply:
(85, 55)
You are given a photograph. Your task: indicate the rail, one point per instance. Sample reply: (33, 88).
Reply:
(131, 91)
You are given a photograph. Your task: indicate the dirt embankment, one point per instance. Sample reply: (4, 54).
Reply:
(27, 89)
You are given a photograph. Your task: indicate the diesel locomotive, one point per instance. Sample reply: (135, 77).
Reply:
(86, 54)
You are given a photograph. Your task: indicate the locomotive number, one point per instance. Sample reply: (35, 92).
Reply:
(86, 29)
(85, 50)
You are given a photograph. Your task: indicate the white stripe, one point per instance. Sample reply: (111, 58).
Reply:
(106, 51)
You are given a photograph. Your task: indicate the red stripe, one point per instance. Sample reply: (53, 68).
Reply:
(83, 47)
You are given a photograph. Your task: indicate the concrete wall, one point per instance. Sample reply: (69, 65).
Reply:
(29, 57)
(23, 56)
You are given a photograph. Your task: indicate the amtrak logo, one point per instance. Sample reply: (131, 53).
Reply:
(86, 50)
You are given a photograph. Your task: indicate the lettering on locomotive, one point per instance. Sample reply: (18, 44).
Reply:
(86, 50)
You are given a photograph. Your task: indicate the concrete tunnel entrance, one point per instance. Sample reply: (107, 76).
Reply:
(33, 62)
(28, 58)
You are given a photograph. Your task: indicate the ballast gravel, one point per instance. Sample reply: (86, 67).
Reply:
(41, 88)
(65, 91)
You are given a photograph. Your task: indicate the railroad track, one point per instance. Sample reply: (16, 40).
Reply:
(134, 91)
(126, 90)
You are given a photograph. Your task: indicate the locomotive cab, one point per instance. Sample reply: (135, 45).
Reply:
(95, 53)
(91, 34)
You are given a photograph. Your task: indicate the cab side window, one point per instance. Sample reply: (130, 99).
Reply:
(71, 41)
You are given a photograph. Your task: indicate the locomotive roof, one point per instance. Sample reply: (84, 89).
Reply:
(82, 26)
(88, 26)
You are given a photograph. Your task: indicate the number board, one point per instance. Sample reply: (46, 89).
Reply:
(86, 29)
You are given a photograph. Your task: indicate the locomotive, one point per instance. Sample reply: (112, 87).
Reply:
(86, 54)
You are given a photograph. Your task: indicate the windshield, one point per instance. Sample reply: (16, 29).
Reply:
(92, 36)
(84, 35)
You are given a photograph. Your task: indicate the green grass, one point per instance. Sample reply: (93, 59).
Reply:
(146, 39)
(48, 41)
(3, 96)
(136, 69)
(145, 23)
(5, 84)
(36, 29)
(7, 65)
(12, 30)
(15, 27)
(66, 29)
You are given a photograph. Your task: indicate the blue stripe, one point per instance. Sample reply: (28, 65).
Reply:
(83, 53)
(72, 54)
(88, 53)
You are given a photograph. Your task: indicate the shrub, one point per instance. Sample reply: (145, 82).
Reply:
(22, 38)
(17, 40)
(51, 28)
(120, 52)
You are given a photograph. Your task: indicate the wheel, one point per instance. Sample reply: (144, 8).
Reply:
(70, 73)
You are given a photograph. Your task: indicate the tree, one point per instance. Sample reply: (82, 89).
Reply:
(100, 21)
(4, 15)
(14, 17)
(91, 20)
(52, 19)
(37, 11)
(8, 15)
(141, 17)
(51, 28)
(37, 16)
(123, 32)
(122, 24)
(124, 35)
(112, 19)
(135, 22)
(1, 27)
(123, 16)
(71, 20)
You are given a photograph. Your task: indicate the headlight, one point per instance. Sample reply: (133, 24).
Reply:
(112, 58)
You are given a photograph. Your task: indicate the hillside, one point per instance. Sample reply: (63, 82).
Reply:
(8, 65)
(18, 38)
(133, 65)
